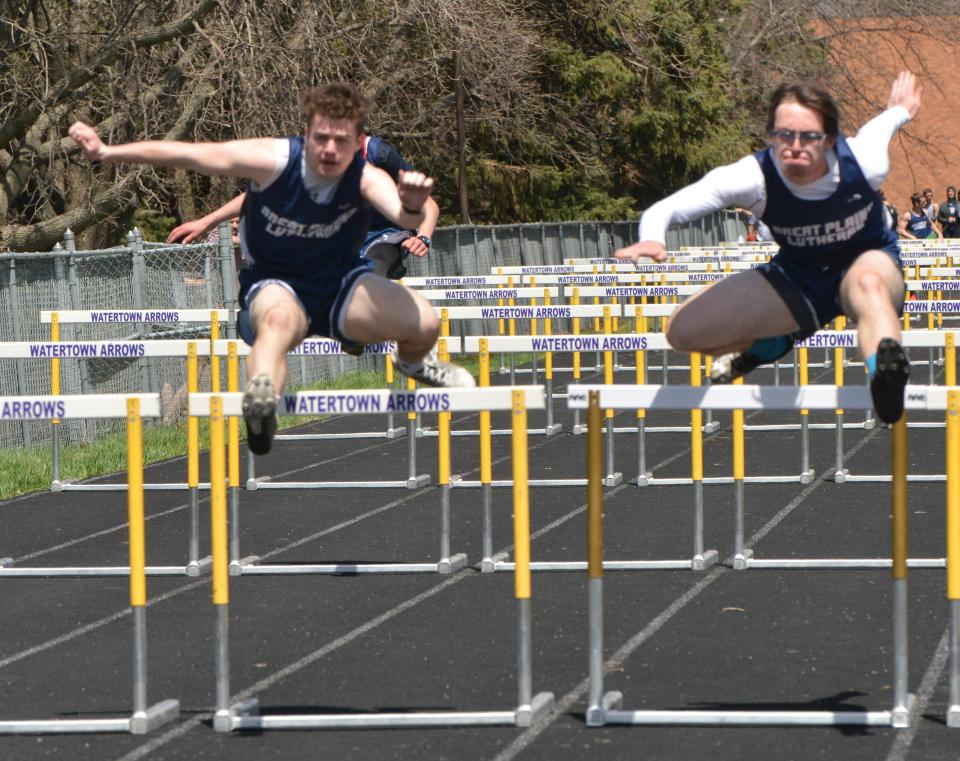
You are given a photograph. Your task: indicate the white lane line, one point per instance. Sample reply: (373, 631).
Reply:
(931, 677)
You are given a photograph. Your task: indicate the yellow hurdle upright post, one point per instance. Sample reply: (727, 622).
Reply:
(489, 563)
(613, 478)
(551, 427)
(741, 555)
(806, 472)
(193, 461)
(950, 359)
(595, 708)
(900, 715)
(138, 555)
(233, 458)
(840, 473)
(55, 391)
(700, 559)
(443, 450)
(219, 552)
(953, 553)
(575, 301)
(521, 539)
(214, 359)
(643, 475)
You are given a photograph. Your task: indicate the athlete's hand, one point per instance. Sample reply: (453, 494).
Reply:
(649, 248)
(89, 141)
(414, 189)
(415, 246)
(188, 232)
(906, 92)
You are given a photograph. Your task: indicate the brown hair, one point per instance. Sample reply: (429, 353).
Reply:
(811, 95)
(337, 100)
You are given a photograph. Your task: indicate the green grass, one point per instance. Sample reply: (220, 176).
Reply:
(28, 470)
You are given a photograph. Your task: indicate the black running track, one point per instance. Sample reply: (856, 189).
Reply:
(754, 639)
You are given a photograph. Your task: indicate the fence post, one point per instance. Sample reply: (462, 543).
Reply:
(17, 336)
(136, 274)
(70, 243)
(228, 275)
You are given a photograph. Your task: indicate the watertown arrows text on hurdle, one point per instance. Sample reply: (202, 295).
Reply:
(589, 343)
(333, 402)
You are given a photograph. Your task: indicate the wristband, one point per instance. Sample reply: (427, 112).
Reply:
(425, 239)
(415, 212)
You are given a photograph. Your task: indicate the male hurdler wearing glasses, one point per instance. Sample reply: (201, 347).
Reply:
(816, 191)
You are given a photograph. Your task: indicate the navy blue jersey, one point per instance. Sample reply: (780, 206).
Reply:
(919, 225)
(380, 153)
(839, 228)
(288, 233)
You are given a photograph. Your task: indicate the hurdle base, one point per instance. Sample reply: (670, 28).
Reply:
(155, 716)
(900, 715)
(246, 716)
(199, 567)
(539, 707)
(704, 561)
(712, 426)
(236, 566)
(840, 476)
(744, 718)
(577, 430)
(612, 479)
(807, 476)
(643, 479)
(418, 482)
(597, 716)
(451, 564)
(953, 717)
(742, 561)
(4, 562)
(489, 565)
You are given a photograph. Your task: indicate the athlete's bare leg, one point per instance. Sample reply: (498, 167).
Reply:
(279, 323)
(871, 292)
(729, 316)
(382, 310)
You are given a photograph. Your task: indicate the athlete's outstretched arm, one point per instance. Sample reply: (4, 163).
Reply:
(193, 229)
(252, 159)
(402, 202)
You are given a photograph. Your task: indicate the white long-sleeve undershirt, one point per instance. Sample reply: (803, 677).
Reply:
(742, 184)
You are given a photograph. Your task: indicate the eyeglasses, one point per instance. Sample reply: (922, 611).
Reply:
(787, 136)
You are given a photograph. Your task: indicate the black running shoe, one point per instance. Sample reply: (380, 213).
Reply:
(886, 387)
(728, 367)
(260, 414)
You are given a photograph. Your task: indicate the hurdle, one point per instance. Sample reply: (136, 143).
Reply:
(606, 708)
(134, 408)
(246, 715)
(118, 318)
(354, 403)
(326, 346)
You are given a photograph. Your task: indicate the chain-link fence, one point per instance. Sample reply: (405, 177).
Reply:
(158, 276)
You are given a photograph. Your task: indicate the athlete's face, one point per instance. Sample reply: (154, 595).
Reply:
(802, 159)
(330, 145)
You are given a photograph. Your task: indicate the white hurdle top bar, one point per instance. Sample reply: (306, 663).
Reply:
(627, 397)
(114, 316)
(100, 349)
(372, 402)
(85, 406)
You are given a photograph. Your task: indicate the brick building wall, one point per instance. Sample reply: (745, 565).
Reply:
(926, 153)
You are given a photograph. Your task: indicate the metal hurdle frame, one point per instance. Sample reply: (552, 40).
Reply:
(327, 346)
(303, 403)
(134, 408)
(245, 715)
(605, 708)
(55, 351)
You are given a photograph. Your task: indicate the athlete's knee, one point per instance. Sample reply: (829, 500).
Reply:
(871, 283)
(278, 318)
